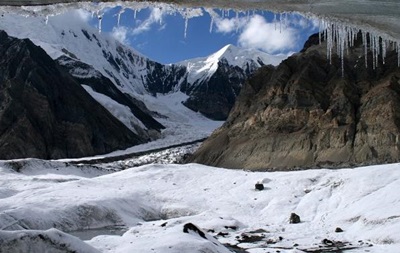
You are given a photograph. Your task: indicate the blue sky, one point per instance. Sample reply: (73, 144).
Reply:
(161, 36)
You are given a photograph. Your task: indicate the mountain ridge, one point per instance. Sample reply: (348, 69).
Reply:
(305, 114)
(134, 74)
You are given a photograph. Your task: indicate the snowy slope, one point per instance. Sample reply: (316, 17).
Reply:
(201, 69)
(69, 36)
(155, 202)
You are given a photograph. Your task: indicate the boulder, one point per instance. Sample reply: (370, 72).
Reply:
(294, 218)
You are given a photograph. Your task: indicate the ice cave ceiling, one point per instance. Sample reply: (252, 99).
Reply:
(379, 21)
(379, 16)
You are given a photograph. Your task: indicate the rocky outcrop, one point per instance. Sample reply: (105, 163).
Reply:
(87, 75)
(45, 113)
(304, 114)
(215, 97)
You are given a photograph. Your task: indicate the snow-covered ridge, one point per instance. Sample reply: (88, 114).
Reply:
(247, 59)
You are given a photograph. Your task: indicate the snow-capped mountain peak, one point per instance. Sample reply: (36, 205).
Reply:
(203, 68)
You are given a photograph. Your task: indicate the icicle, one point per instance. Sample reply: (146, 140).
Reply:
(372, 48)
(365, 42)
(274, 21)
(319, 32)
(398, 53)
(237, 21)
(134, 13)
(329, 43)
(100, 18)
(186, 26)
(119, 16)
(211, 24)
(47, 19)
(384, 46)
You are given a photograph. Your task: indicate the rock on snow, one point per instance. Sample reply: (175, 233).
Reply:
(156, 201)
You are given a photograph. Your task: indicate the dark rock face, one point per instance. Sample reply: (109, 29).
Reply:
(216, 96)
(194, 228)
(45, 113)
(213, 97)
(304, 114)
(103, 85)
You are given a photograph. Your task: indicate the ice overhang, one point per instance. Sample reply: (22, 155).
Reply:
(376, 15)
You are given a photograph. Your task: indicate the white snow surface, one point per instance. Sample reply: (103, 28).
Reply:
(65, 32)
(155, 201)
(202, 68)
(121, 112)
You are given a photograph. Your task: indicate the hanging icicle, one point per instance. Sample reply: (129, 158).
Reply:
(100, 18)
(119, 16)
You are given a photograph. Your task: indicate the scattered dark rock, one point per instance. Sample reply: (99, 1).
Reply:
(259, 186)
(274, 240)
(191, 226)
(231, 227)
(327, 242)
(211, 231)
(164, 224)
(223, 234)
(258, 231)
(294, 218)
(246, 238)
(338, 230)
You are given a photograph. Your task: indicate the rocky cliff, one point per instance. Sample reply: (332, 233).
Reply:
(304, 114)
(45, 113)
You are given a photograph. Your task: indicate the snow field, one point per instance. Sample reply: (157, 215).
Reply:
(155, 201)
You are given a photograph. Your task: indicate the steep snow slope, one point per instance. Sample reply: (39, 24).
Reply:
(156, 201)
(70, 35)
(201, 69)
(95, 59)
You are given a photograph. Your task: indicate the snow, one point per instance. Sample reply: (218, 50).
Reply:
(182, 124)
(204, 67)
(64, 35)
(381, 22)
(121, 112)
(70, 32)
(155, 201)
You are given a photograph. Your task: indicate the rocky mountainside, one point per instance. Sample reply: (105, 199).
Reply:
(46, 113)
(211, 83)
(304, 114)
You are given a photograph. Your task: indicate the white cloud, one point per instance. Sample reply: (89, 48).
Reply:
(260, 34)
(120, 33)
(156, 16)
(228, 25)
